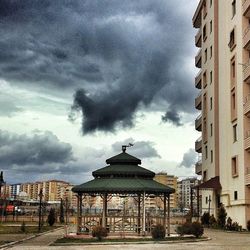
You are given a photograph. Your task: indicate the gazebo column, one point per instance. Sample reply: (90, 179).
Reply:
(104, 211)
(168, 214)
(143, 214)
(165, 211)
(79, 213)
(139, 214)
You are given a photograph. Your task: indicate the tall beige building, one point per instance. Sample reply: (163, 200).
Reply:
(223, 39)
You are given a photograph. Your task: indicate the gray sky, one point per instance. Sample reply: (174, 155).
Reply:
(80, 78)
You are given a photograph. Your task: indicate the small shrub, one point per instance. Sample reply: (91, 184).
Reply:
(212, 221)
(23, 227)
(194, 228)
(248, 225)
(205, 219)
(197, 229)
(222, 215)
(51, 217)
(229, 223)
(99, 232)
(158, 232)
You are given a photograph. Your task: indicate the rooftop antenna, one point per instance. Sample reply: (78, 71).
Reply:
(124, 147)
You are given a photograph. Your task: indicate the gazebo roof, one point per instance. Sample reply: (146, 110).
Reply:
(123, 175)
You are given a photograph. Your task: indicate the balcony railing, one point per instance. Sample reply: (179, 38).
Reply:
(198, 101)
(198, 167)
(247, 176)
(247, 140)
(198, 59)
(246, 105)
(198, 145)
(198, 39)
(246, 8)
(198, 80)
(246, 38)
(246, 72)
(198, 123)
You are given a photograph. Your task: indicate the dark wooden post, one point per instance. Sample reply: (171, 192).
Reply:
(80, 213)
(191, 203)
(104, 211)
(168, 214)
(164, 211)
(198, 203)
(139, 215)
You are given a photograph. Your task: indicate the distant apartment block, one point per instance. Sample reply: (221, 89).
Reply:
(223, 39)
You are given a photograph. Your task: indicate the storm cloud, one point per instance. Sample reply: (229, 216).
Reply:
(38, 149)
(172, 116)
(189, 159)
(119, 56)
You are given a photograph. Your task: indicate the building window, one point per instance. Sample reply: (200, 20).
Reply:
(211, 2)
(211, 51)
(211, 77)
(205, 55)
(204, 176)
(211, 103)
(204, 79)
(211, 129)
(211, 156)
(206, 199)
(205, 152)
(211, 26)
(233, 8)
(233, 71)
(235, 195)
(205, 9)
(234, 166)
(233, 105)
(235, 132)
(204, 33)
(231, 43)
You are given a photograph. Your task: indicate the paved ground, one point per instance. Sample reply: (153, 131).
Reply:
(220, 240)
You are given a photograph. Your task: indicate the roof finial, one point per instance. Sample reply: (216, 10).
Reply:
(124, 147)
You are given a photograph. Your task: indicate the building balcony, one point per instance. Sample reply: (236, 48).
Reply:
(246, 8)
(198, 101)
(198, 80)
(197, 15)
(198, 145)
(198, 39)
(198, 59)
(247, 177)
(246, 72)
(247, 141)
(198, 123)
(246, 106)
(198, 167)
(246, 38)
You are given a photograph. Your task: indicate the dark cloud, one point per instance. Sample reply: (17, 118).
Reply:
(140, 149)
(189, 159)
(121, 55)
(173, 117)
(39, 149)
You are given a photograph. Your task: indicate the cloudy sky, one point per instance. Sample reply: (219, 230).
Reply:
(80, 78)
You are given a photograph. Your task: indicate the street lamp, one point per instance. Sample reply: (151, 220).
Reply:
(40, 209)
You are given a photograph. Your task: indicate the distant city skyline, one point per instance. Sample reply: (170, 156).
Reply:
(79, 80)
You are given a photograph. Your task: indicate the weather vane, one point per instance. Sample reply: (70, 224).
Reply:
(124, 147)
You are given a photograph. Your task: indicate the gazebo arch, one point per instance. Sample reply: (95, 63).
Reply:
(124, 176)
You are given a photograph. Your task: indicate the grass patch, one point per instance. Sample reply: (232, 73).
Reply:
(94, 240)
(28, 229)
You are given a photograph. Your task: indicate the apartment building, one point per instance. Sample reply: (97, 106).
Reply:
(223, 39)
(184, 192)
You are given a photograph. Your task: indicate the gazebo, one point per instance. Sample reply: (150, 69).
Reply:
(124, 177)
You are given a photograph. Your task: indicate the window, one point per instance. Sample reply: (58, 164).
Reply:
(211, 26)
(211, 77)
(205, 152)
(205, 55)
(211, 103)
(233, 71)
(211, 51)
(204, 175)
(211, 156)
(234, 166)
(211, 129)
(211, 2)
(231, 43)
(233, 105)
(206, 199)
(233, 101)
(235, 132)
(205, 9)
(233, 8)
(235, 195)
(204, 33)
